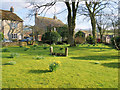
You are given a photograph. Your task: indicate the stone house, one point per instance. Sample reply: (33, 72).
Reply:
(11, 25)
(45, 24)
(82, 39)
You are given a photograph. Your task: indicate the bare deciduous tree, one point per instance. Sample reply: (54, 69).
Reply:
(92, 9)
(72, 11)
(102, 25)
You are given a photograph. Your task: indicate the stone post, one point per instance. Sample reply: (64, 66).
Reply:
(51, 50)
(66, 51)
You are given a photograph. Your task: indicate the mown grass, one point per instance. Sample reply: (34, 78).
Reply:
(78, 70)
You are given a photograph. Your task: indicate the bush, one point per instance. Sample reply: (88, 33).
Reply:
(61, 48)
(34, 48)
(79, 34)
(10, 63)
(60, 43)
(21, 46)
(35, 45)
(1, 36)
(63, 31)
(117, 39)
(38, 57)
(89, 40)
(5, 50)
(44, 47)
(53, 66)
(51, 37)
(12, 55)
(26, 48)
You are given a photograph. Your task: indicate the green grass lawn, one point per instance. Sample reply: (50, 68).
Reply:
(78, 70)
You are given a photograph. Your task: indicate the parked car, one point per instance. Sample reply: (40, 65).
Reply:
(24, 40)
(30, 38)
(27, 39)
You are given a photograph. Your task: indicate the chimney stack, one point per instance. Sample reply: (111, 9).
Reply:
(12, 9)
(54, 17)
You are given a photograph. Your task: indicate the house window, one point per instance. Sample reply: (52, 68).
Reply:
(14, 36)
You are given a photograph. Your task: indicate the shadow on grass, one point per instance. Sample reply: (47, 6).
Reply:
(95, 57)
(7, 57)
(94, 47)
(99, 51)
(7, 64)
(39, 71)
(112, 65)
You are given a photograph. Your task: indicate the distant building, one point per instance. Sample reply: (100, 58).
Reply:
(107, 38)
(11, 25)
(82, 39)
(27, 32)
(45, 24)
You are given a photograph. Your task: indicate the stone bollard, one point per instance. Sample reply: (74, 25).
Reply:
(66, 51)
(51, 50)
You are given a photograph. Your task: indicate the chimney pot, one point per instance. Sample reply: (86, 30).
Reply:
(12, 9)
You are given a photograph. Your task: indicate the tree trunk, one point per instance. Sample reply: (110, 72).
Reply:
(71, 22)
(93, 23)
(71, 40)
(71, 37)
(36, 37)
(101, 38)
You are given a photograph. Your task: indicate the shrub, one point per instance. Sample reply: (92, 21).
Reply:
(77, 45)
(34, 48)
(117, 40)
(97, 63)
(21, 46)
(89, 40)
(35, 45)
(1, 36)
(5, 50)
(12, 55)
(60, 43)
(63, 31)
(88, 45)
(44, 47)
(61, 48)
(79, 34)
(26, 48)
(51, 37)
(10, 63)
(53, 66)
(38, 57)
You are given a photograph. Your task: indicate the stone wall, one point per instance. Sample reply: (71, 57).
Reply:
(80, 40)
(8, 31)
(6, 44)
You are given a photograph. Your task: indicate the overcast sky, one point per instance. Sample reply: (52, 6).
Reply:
(21, 10)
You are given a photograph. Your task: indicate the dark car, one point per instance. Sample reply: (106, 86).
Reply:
(27, 39)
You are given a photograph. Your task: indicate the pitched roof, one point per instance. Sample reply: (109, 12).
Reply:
(86, 31)
(8, 15)
(50, 21)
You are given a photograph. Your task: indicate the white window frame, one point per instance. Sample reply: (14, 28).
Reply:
(14, 36)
